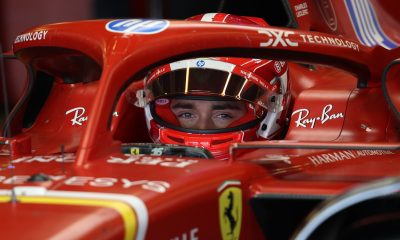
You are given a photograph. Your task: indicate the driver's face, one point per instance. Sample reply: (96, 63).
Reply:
(204, 115)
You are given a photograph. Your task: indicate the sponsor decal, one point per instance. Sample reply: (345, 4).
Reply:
(304, 121)
(153, 161)
(135, 151)
(156, 73)
(78, 115)
(191, 235)
(6, 167)
(249, 76)
(282, 38)
(21, 179)
(162, 101)
(245, 73)
(328, 13)
(277, 37)
(230, 210)
(274, 158)
(151, 185)
(67, 158)
(98, 182)
(200, 63)
(137, 26)
(31, 36)
(278, 66)
(4, 151)
(366, 24)
(338, 156)
(301, 9)
(334, 41)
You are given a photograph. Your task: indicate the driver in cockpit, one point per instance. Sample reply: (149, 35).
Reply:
(214, 102)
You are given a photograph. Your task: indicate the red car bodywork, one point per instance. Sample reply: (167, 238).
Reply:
(341, 133)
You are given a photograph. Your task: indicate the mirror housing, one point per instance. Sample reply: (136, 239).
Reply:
(391, 86)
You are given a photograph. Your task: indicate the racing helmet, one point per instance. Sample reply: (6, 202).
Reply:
(248, 99)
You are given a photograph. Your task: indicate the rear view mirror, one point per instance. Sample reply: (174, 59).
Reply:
(370, 211)
(391, 86)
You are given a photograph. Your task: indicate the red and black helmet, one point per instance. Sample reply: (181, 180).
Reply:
(257, 88)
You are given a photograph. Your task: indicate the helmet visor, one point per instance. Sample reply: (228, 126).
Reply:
(209, 82)
(207, 95)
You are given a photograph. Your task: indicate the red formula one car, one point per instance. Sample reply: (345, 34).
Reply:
(78, 163)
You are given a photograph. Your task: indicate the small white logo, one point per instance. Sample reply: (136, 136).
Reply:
(31, 36)
(78, 118)
(277, 37)
(278, 66)
(303, 113)
(301, 9)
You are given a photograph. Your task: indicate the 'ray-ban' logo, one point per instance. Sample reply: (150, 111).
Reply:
(303, 119)
(78, 117)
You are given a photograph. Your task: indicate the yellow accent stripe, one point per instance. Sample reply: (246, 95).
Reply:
(226, 83)
(187, 78)
(241, 89)
(126, 212)
(5, 199)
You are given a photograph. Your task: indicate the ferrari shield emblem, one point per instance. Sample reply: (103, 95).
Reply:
(230, 213)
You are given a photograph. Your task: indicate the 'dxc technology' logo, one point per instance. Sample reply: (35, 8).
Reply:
(137, 26)
(277, 37)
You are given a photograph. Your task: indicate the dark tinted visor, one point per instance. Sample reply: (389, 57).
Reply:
(206, 82)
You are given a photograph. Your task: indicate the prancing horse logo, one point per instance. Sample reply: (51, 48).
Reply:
(230, 213)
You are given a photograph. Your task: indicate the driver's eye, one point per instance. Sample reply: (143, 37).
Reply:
(186, 115)
(223, 116)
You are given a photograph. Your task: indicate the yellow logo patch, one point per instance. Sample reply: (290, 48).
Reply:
(135, 151)
(230, 213)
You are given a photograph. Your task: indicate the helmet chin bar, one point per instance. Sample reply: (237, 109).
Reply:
(218, 144)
